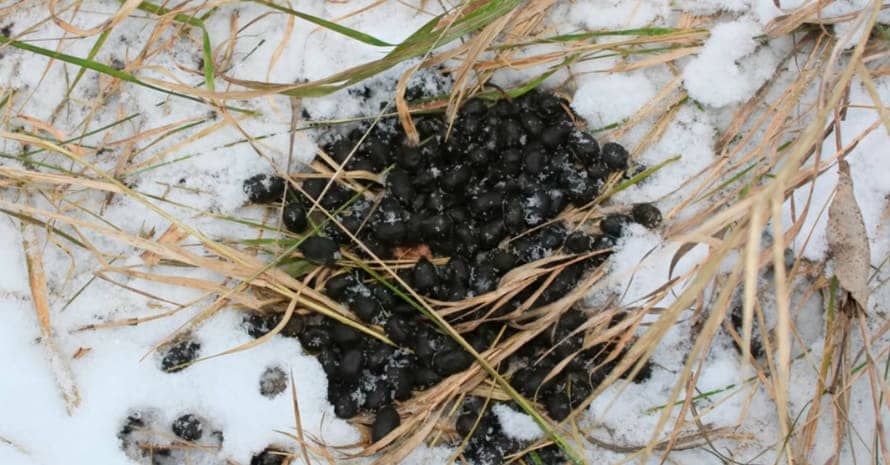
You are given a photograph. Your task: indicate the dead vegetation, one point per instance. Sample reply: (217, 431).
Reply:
(772, 146)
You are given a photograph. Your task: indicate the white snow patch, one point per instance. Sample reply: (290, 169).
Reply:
(517, 425)
(872, 191)
(690, 137)
(618, 14)
(727, 70)
(641, 264)
(596, 101)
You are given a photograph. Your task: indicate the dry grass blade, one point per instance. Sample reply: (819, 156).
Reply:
(37, 279)
(298, 420)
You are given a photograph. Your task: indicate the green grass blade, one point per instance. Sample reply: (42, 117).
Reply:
(731, 180)
(645, 174)
(208, 60)
(351, 33)
(102, 68)
(100, 41)
(426, 38)
(32, 220)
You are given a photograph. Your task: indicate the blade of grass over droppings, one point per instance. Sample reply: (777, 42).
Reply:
(504, 384)
(351, 33)
(645, 174)
(104, 69)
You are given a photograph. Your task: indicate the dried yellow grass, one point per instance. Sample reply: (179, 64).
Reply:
(726, 220)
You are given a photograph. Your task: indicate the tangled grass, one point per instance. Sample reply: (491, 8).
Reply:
(771, 147)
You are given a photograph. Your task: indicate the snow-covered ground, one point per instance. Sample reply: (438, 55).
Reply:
(115, 371)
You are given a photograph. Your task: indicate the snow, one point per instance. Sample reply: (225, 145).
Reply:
(517, 425)
(118, 375)
(618, 14)
(728, 70)
(871, 191)
(595, 98)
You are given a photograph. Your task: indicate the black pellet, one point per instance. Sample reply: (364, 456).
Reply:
(188, 427)
(315, 338)
(449, 362)
(436, 226)
(456, 178)
(336, 287)
(556, 135)
(531, 123)
(320, 250)
(400, 184)
(425, 275)
(378, 395)
(366, 308)
(614, 224)
(584, 147)
(345, 335)
(179, 355)
(351, 364)
(646, 214)
(387, 419)
(294, 217)
(264, 188)
(400, 330)
(346, 406)
(614, 155)
(502, 260)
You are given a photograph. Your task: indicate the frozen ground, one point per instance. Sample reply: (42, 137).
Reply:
(115, 372)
